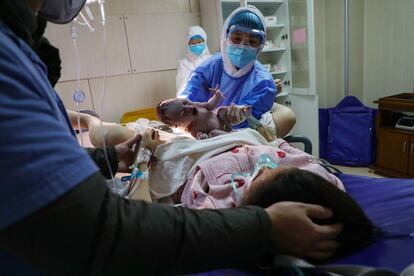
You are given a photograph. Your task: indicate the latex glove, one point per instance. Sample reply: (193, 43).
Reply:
(278, 83)
(295, 234)
(151, 139)
(125, 153)
(237, 114)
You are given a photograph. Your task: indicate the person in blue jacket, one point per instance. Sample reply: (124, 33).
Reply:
(235, 70)
(58, 217)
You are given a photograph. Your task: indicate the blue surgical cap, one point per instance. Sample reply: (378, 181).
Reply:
(247, 19)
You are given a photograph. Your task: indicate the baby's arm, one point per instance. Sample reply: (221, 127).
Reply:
(213, 101)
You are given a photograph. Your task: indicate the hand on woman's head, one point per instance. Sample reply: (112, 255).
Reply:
(294, 233)
(304, 187)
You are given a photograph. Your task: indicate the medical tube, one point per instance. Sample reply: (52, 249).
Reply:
(76, 95)
(89, 13)
(86, 22)
(115, 184)
(102, 9)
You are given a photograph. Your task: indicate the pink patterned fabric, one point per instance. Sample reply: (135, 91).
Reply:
(210, 186)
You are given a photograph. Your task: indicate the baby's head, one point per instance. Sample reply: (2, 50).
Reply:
(293, 184)
(177, 112)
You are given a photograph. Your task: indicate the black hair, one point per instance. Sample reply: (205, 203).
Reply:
(298, 185)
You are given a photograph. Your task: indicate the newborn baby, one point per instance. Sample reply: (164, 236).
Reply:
(198, 118)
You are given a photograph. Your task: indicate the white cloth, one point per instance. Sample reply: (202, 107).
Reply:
(187, 66)
(177, 158)
(267, 120)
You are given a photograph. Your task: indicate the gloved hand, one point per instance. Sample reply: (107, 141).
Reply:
(278, 83)
(237, 114)
(125, 153)
(151, 139)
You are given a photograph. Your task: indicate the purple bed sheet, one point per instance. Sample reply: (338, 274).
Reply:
(389, 202)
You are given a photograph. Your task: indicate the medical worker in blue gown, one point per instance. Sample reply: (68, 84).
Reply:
(58, 217)
(235, 70)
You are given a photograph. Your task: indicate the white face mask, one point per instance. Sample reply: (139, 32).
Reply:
(61, 11)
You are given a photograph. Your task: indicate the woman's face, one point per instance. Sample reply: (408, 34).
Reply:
(266, 175)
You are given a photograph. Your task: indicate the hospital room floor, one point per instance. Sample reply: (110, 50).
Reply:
(359, 171)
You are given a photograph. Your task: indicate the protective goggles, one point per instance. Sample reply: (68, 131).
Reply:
(245, 36)
(196, 40)
(237, 178)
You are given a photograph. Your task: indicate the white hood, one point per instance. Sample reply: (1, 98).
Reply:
(192, 31)
(228, 66)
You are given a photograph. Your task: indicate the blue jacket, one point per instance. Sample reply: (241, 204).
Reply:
(256, 88)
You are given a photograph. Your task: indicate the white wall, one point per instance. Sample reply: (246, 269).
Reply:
(381, 43)
(145, 39)
(389, 48)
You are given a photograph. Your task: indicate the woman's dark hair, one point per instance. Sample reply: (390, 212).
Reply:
(298, 185)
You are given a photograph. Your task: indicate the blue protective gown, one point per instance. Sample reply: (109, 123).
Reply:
(256, 88)
(40, 158)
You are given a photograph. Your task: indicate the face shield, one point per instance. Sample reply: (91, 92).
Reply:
(61, 11)
(239, 35)
(243, 45)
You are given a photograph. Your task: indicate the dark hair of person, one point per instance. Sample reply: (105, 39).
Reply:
(298, 185)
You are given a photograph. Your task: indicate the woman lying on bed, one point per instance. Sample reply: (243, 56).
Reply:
(262, 175)
(242, 169)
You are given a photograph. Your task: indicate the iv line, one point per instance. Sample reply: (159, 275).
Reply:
(77, 100)
(101, 3)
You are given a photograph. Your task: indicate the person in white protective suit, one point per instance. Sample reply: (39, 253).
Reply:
(197, 53)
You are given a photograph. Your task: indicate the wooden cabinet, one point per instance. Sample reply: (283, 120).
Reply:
(395, 147)
(392, 151)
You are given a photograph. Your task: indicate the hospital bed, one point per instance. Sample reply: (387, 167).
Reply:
(389, 202)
